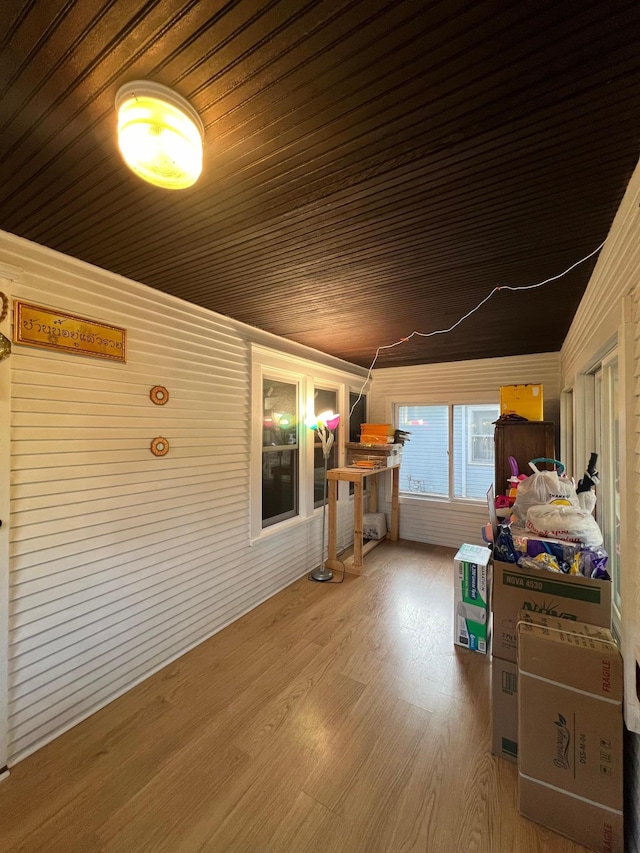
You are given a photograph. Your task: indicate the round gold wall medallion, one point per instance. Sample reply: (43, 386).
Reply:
(159, 446)
(159, 395)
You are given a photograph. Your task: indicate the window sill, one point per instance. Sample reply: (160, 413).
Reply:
(284, 526)
(470, 505)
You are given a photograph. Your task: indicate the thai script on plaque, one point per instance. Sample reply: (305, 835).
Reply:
(44, 327)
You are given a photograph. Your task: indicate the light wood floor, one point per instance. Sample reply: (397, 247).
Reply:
(332, 719)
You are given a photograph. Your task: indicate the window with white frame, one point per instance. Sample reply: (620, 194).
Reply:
(287, 465)
(450, 450)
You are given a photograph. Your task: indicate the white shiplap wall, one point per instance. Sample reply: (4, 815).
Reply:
(609, 313)
(463, 382)
(8, 275)
(120, 561)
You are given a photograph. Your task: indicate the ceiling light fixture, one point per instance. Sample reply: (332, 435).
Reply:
(159, 134)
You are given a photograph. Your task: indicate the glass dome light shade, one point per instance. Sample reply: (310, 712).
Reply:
(159, 135)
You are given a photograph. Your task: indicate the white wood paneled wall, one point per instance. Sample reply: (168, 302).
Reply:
(608, 313)
(632, 611)
(451, 523)
(120, 561)
(8, 277)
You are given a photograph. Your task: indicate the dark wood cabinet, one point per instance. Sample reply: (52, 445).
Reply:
(524, 440)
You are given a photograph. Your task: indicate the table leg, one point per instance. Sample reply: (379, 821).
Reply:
(373, 493)
(358, 509)
(395, 503)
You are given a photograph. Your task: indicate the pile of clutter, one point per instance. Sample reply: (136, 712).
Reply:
(550, 524)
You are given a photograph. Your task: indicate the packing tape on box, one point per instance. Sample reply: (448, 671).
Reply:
(569, 793)
(520, 622)
(567, 687)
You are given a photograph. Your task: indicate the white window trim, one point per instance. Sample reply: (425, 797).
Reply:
(307, 374)
(393, 405)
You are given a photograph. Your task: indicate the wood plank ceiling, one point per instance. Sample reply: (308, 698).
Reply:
(371, 166)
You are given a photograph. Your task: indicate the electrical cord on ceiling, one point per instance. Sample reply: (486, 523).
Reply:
(495, 290)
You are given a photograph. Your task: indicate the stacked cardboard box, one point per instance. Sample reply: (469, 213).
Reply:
(570, 730)
(536, 591)
(472, 614)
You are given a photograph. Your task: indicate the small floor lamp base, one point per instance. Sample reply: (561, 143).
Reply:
(321, 574)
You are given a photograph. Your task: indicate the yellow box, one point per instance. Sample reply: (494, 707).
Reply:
(524, 400)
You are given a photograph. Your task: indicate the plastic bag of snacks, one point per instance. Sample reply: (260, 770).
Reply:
(592, 563)
(503, 548)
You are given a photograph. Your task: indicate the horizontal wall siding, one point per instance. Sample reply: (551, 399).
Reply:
(120, 560)
(610, 312)
(450, 523)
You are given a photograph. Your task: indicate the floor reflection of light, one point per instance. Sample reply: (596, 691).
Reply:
(313, 733)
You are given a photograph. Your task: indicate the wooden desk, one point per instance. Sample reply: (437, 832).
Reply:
(357, 476)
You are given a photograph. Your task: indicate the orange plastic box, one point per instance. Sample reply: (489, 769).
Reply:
(376, 433)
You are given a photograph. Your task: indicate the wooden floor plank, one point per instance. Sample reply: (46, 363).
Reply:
(334, 717)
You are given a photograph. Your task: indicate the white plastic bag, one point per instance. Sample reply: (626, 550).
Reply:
(587, 500)
(569, 523)
(541, 488)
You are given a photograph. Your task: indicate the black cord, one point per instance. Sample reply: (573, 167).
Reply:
(309, 578)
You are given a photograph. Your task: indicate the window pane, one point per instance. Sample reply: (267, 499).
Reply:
(358, 416)
(279, 451)
(324, 401)
(279, 485)
(280, 423)
(473, 450)
(357, 402)
(425, 458)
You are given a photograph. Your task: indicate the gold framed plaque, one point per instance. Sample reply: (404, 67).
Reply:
(45, 327)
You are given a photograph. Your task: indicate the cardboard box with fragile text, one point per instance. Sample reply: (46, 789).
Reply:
(570, 730)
